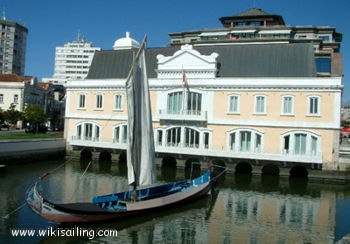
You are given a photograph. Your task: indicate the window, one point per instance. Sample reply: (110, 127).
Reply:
(206, 139)
(191, 138)
(194, 103)
(313, 145)
(159, 137)
(175, 102)
(118, 102)
(260, 105)
(314, 105)
(88, 132)
(173, 136)
(1, 98)
(257, 143)
(325, 38)
(99, 101)
(79, 132)
(287, 105)
(120, 133)
(232, 141)
(81, 103)
(190, 103)
(323, 64)
(286, 144)
(15, 98)
(234, 104)
(246, 141)
(301, 143)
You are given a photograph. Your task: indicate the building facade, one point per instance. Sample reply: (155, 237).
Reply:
(22, 91)
(256, 26)
(72, 61)
(12, 47)
(256, 103)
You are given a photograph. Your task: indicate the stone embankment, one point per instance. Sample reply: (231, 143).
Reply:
(31, 150)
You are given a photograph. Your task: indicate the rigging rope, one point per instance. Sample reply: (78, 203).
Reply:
(40, 178)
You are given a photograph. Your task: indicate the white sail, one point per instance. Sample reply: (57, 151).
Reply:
(140, 151)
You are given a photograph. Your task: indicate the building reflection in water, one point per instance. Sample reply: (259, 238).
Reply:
(246, 209)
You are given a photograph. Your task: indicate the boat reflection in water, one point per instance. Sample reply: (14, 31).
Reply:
(246, 209)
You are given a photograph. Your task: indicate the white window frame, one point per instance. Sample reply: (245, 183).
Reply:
(313, 147)
(121, 138)
(310, 111)
(256, 104)
(237, 111)
(253, 147)
(283, 112)
(118, 106)
(95, 131)
(99, 101)
(80, 96)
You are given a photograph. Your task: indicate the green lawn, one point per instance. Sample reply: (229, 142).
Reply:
(17, 135)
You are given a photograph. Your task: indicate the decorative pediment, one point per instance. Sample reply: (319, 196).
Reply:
(187, 59)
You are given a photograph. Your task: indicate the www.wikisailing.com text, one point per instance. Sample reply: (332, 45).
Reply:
(75, 231)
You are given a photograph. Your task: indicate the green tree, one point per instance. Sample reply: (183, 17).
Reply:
(12, 115)
(35, 114)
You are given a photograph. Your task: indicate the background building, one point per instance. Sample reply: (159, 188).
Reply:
(72, 61)
(256, 26)
(13, 42)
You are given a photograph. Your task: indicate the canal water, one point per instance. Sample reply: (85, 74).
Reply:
(241, 209)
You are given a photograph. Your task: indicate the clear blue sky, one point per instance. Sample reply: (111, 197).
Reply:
(53, 23)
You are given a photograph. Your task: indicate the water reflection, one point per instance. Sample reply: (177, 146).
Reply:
(242, 209)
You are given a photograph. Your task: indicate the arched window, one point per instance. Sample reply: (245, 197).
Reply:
(191, 138)
(245, 140)
(186, 137)
(173, 136)
(300, 143)
(120, 133)
(88, 131)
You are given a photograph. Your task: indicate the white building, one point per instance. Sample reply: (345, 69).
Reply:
(72, 61)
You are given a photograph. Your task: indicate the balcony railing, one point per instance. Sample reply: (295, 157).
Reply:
(188, 115)
(97, 142)
(205, 150)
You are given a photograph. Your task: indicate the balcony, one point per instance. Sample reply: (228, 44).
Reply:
(203, 150)
(96, 142)
(183, 115)
(253, 155)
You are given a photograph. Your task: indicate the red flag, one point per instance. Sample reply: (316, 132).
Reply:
(184, 81)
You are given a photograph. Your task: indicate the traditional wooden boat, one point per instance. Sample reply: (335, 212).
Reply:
(120, 205)
(141, 169)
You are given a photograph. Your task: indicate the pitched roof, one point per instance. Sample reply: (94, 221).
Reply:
(268, 60)
(253, 12)
(12, 78)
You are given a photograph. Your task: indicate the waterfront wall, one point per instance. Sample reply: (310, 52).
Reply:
(31, 150)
